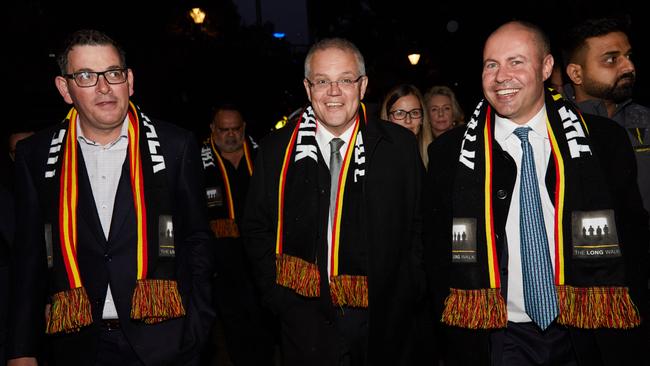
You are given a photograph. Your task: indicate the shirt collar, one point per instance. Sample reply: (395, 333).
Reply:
(124, 130)
(324, 136)
(504, 127)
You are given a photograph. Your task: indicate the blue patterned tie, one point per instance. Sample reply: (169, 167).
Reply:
(540, 296)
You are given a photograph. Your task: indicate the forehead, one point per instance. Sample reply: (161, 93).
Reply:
(611, 42)
(94, 57)
(508, 42)
(439, 99)
(407, 101)
(228, 118)
(333, 61)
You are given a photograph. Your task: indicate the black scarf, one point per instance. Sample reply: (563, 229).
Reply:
(156, 296)
(298, 213)
(591, 290)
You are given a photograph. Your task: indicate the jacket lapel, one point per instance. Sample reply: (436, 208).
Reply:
(86, 204)
(123, 201)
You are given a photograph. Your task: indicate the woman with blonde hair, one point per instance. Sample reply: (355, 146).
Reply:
(404, 105)
(444, 111)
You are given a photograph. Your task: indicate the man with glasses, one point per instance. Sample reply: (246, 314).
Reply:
(112, 231)
(332, 223)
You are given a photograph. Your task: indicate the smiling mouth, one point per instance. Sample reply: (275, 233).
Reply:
(335, 105)
(507, 92)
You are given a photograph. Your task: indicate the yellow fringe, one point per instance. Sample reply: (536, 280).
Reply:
(224, 228)
(475, 309)
(349, 291)
(70, 311)
(298, 275)
(597, 307)
(155, 301)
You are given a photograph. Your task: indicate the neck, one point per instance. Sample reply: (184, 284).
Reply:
(581, 96)
(101, 136)
(233, 157)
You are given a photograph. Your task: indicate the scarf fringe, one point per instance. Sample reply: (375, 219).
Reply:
(298, 275)
(155, 301)
(475, 309)
(70, 311)
(347, 290)
(597, 307)
(224, 228)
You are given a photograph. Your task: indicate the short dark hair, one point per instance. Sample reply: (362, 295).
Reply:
(87, 37)
(227, 106)
(576, 37)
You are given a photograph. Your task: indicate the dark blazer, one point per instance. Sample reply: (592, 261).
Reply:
(7, 222)
(391, 199)
(112, 261)
(612, 148)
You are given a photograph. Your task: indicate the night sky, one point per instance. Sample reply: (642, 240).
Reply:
(182, 70)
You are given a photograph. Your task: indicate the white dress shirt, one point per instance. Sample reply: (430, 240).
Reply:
(323, 138)
(538, 138)
(104, 166)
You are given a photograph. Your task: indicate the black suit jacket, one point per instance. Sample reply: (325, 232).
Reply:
(6, 240)
(393, 231)
(112, 261)
(610, 144)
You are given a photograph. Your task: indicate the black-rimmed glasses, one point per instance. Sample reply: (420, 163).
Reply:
(400, 114)
(87, 79)
(322, 84)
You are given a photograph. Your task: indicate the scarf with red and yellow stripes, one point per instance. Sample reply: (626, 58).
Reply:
(591, 292)
(222, 214)
(300, 210)
(156, 297)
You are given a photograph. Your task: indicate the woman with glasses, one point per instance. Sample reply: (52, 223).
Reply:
(444, 111)
(404, 105)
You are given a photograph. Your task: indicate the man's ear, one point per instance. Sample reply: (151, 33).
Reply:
(307, 89)
(574, 72)
(62, 86)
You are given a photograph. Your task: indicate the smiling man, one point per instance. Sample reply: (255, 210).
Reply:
(112, 231)
(332, 223)
(509, 197)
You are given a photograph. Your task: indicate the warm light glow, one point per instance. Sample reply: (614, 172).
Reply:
(198, 15)
(414, 58)
(281, 123)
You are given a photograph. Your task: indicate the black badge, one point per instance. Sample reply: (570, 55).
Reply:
(463, 241)
(594, 234)
(166, 236)
(214, 197)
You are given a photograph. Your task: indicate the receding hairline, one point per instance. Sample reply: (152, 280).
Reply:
(539, 37)
(341, 44)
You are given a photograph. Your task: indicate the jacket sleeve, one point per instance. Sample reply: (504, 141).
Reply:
(190, 209)
(28, 265)
(259, 228)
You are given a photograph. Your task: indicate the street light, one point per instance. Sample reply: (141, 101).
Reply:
(414, 58)
(197, 15)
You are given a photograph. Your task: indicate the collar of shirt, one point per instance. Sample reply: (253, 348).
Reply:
(504, 128)
(324, 136)
(123, 134)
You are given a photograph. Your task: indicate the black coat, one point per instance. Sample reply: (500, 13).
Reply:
(610, 144)
(391, 197)
(102, 261)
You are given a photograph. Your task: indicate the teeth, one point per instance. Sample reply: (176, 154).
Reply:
(506, 91)
(333, 104)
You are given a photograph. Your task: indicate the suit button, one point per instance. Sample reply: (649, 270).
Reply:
(502, 194)
(107, 257)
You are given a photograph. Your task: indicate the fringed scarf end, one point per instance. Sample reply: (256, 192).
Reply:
(597, 307)
(475, 309)
(70, 311)
(224, 228)
(349, 290)
(155, 301)
(298, 275)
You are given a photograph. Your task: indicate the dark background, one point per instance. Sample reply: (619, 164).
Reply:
(183, 69)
